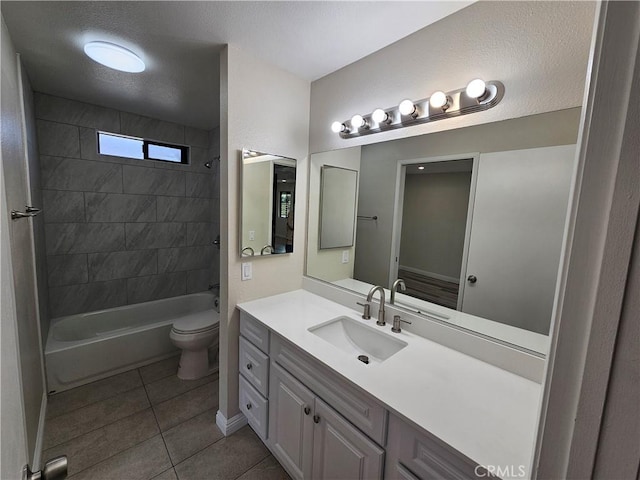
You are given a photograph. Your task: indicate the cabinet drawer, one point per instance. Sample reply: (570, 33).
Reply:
(354, 404)
(255, 408)
(254, 331)
(426, 456)
(254, 366)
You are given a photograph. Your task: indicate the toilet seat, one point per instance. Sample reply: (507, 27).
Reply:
(200, 322)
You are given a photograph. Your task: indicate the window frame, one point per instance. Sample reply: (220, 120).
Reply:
(185, 150)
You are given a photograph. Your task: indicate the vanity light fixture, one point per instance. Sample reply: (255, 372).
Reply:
(339, 127)
(407, 107)
(358, 121)
(114, 56)
(380, 116)
(476, 97)
(439, 99)
(421, 167)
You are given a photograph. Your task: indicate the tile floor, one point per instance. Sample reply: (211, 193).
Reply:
(149, 424)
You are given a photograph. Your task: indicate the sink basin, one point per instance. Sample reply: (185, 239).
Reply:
(355, 338)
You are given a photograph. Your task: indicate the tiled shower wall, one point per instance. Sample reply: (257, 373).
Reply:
(122, 231)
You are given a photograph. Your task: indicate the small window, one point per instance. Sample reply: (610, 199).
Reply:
(285, 204)
(132, 147)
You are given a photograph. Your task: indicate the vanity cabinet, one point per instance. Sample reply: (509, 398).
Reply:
(311, 439)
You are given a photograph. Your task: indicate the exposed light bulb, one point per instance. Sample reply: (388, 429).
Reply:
(380, 116)
(438, 100)
(476, 88)
(337, 127)
(407, 107)
(420, 167)
(358, 121)
(114, 56)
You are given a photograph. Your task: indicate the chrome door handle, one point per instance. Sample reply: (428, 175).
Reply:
(472, 279)
(29, 212)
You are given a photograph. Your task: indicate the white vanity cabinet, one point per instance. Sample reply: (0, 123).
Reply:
(254, 374)
(311, 439)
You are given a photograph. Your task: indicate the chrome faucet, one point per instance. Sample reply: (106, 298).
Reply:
(247, 249)
(394, 289)
(381, 311)
(265, 248)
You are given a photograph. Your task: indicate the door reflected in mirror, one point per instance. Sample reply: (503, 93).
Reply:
(268, 201)
(471, 219)
(338, 198)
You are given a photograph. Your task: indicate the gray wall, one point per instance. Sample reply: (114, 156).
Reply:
(122, 231)
(434, 221)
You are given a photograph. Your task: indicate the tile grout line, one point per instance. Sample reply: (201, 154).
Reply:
(155, 417)
(257, 463)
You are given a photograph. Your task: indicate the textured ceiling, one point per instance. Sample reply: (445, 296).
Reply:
(180, 43)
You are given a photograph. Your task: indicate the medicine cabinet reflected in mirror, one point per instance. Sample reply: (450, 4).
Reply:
(471, 219)
(267, 206)
(338, 197)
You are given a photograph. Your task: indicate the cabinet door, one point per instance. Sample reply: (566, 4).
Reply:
(290, 422)
(340, 450)
(516, 235)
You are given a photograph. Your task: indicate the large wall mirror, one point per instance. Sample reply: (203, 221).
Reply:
(267, 207)
(471, 220)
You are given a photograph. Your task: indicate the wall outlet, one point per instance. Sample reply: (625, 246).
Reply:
(247, 271)
(252, 234)
(345, 256)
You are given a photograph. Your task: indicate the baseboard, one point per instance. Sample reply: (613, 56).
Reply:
(37, 453)
(437, 276)
(232, 425)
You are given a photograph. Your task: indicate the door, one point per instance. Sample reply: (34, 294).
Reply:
(22, 376)
(290, 422)
(521, 196)
(340, 450)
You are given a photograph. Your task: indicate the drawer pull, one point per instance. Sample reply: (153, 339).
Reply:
(248, 406)
(249, 366)
(316, 419)
(307, 410)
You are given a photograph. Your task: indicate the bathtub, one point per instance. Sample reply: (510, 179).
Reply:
(89, 346)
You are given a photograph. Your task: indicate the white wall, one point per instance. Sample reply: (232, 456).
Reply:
(327, 264)
(539, 50)
(266, 109)
(378, 175)
(434, 221)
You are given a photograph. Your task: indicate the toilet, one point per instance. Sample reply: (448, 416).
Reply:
(194, 334)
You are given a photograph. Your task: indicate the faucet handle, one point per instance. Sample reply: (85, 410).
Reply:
(396, 324)
(367, 310)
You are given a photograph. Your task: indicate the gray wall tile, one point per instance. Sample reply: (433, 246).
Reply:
(199, 280)
(154, 287)
(63, 206)
(196, 137)
(58, 139)
(199, 156)
(153, 181)
(111, 207)
(185, 258)
(80, 175)
(87, 297)
(155, 235)
(62, 110)
(67, 270)
(151, 129)
(65, 238)
(199, 185)
(177, 209)
(200, 234)
(113, 265)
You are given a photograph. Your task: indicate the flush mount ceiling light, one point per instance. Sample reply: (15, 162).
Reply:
(476, 97)
(114, 56)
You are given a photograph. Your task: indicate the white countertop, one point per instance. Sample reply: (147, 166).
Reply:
(487, 413)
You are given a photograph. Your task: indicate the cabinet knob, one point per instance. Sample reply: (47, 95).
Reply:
(249, 366)
(472, 279)
(316, 419)
(307, 410)
(248, 406)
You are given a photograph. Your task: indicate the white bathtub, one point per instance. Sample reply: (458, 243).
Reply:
(89, 346)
